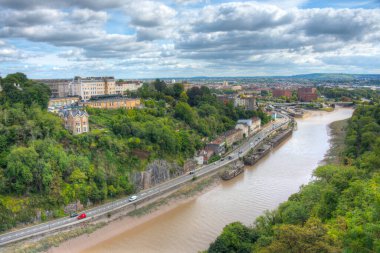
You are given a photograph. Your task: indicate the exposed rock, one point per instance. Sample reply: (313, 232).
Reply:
(156, 172)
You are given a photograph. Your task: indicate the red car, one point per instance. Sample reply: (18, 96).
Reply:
(81, 216)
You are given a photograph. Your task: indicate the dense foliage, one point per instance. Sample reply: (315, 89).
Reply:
(337, 93)
(338, 212)
(44, 168)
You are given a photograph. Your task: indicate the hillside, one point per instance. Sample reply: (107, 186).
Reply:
(44, 168)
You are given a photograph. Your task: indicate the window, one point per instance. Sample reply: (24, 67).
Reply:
(84, 129)
(78, 129)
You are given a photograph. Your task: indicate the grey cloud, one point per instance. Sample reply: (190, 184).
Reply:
(30, 18)
(241, 17)
(345, 24)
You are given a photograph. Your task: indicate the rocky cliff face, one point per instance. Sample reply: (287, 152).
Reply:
(156, 172)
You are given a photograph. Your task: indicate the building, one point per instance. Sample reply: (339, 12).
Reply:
(218, 146)
(232, 136)
(59, 87)
(112, 102)
(121, 87)
(256, 124)
(307, 94)
(225, 99)
(281, 93)
(247, 102)
(244, 127)
(92, 86)
(204, 156)
(64, 101)
(253, 124)
(76, 121)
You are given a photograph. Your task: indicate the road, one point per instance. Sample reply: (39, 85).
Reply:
(149, 193)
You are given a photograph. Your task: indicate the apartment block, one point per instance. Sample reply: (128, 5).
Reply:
(121, 87)
(307, 94)
(59, 87)
(282, 93)
(92, 86)
(247, 102)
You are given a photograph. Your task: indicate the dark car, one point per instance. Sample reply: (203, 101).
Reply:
(72, 215)
(191, 172)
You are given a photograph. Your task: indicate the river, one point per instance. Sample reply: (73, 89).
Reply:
(193, 225)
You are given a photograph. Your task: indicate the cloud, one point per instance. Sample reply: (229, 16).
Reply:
(241, 16)
(10, 53)
(203, 36)
(345, 24)
(37, 4)
(149, 13)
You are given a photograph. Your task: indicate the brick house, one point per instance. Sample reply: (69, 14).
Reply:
(307, 94)
(282, 93)
(76, 121)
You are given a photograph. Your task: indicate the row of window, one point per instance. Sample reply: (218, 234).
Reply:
(79, 129)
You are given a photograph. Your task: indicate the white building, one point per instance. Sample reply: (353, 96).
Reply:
(253, 124)
(92, 86)
(121, 87)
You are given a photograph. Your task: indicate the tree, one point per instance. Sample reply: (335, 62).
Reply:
(20, 164)
(159, 85)
(311, 238)
(235, 238)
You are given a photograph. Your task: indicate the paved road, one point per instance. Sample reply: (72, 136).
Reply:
(141, 196)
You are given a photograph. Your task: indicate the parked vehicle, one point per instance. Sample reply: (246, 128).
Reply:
(72, 215)
(82, 216)
(132, 198)
(191, 172)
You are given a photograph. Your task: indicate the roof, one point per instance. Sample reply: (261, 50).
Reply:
(75, 113)
(245, 121)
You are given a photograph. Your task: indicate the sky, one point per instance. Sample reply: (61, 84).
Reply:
(187, 38)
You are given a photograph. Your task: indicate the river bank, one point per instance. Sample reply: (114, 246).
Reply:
(337, 132)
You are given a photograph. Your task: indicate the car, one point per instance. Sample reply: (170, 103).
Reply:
(222, 159)
(191, 172)
(72, 215)
(132, 198)
(82, 216)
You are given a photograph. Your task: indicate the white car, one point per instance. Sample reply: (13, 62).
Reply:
(132, 198)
